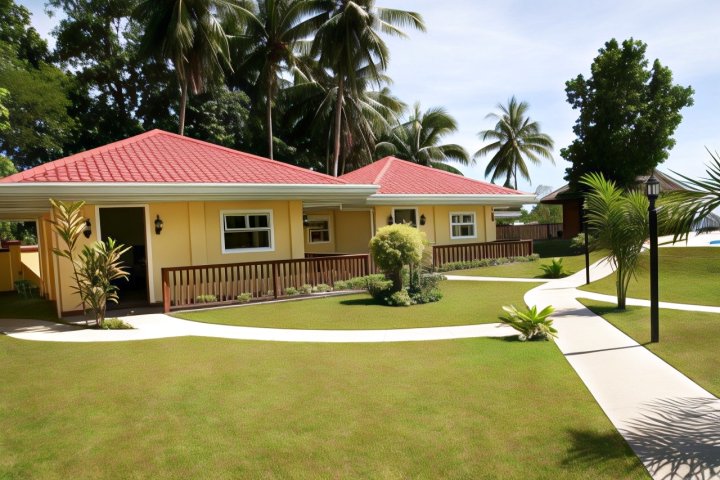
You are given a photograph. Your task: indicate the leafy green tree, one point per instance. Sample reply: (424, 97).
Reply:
(349, 42)
(220, 117)
(684, 210)
(514, 139)
(418, 139)
(16, 30)
(267, 46)
(395, 246)
(627, 115)
(6, 167)
(4, 112)
(190, 35)
(618, 221)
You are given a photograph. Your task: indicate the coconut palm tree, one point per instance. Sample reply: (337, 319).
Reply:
(418, 139)
(189, 34)
(348, 41)
(684, 210)
(515, 139)
(619, 223)
(268, 45)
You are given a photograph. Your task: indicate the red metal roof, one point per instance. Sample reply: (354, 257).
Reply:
(162, 157)
(400, 177)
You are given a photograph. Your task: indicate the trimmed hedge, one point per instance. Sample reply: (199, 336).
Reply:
(486, 262)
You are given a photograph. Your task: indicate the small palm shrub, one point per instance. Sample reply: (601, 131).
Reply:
(115, 324)
(291, 291)
(244, 297)
(208, 298)
(554, 269)
(531, 324)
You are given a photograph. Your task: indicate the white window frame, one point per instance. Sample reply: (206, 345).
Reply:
(417, 215)
(319, 218)
(238, 213)
(474, 224)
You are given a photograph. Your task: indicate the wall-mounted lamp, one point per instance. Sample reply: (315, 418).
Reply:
(158, 225)
(492, 216)
(306, 222)
(87, 229)
(390, 220)
(422, 219)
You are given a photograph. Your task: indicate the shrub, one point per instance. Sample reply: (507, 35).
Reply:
(208, 298)
(531, 324)
(115, 324)
(578, 242)
(322, 288)
(305, 289)
(486, 262)
(341, 285)
(395, 246)
(292, 291)
(244, 297)
(377, 285)
(400, 298)
(424, 287)
(554, 269)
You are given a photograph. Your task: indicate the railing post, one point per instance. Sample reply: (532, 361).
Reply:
(166, 290)
(275, 280)
(367, 265)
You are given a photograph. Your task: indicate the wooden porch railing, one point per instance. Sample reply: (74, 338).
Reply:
(182, 286)
(443, 254)
(540, 231)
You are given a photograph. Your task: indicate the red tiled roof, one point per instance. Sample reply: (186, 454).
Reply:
(162, 157)
(400, 177)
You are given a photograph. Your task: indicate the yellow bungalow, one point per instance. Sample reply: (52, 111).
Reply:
(204, 218)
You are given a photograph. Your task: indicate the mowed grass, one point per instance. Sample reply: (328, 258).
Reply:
(572, 264)
(222, 409)
(13, 305)
(686, 275)
(463, 303)
(689, 341)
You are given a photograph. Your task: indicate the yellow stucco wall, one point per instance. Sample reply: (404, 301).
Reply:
(353, 231)
(437, 222)
(191, 235)
(6, 283)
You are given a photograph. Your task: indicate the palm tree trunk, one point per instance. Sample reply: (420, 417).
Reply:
(338, 121)
(515, 175)
(183, 103)
(269, 120)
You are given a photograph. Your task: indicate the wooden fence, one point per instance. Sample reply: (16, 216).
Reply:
(183, 285)
(443, 254)
(532, 232)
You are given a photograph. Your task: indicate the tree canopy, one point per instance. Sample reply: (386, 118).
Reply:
(628, 113)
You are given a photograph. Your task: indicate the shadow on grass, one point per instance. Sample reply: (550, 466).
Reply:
(594, 448)
(362, 302)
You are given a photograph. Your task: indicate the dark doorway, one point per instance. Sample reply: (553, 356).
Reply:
(126, 225)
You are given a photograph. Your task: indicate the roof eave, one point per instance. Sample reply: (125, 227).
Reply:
(452, 199)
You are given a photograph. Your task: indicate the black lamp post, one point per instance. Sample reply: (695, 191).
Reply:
(652, 188)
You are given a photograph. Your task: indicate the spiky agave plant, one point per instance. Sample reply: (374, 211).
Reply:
(531, 324)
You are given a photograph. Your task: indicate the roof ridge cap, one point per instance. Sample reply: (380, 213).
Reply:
(257, 157)
(384, 169)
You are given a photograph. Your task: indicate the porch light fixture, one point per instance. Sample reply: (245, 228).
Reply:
(87, 229)
(422, 219)
(652, 189)
(390, 220)
(158, 225)
(306, 222)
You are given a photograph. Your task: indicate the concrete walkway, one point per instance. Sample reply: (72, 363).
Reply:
(644, 303)
(671, 423)
(154, 326)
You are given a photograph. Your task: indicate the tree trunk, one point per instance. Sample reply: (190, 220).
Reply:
(183, 103)
(621, 288)
(269, 120)
(396, 278)
(338, 121)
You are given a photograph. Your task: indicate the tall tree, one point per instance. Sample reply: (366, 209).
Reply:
(268, 46)
(350, 41)
(628, 114)
(514, 140)
(190, 35)
(418, 139)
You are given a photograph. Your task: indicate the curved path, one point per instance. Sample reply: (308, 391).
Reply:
(671, 423)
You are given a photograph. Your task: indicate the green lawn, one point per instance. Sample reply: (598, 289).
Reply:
(689, 341)
(218, 408)
(13, 305)
(463, 303)
(572, 264)
(686, 275)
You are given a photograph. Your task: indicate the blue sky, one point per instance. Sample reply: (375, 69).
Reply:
(476, 54)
